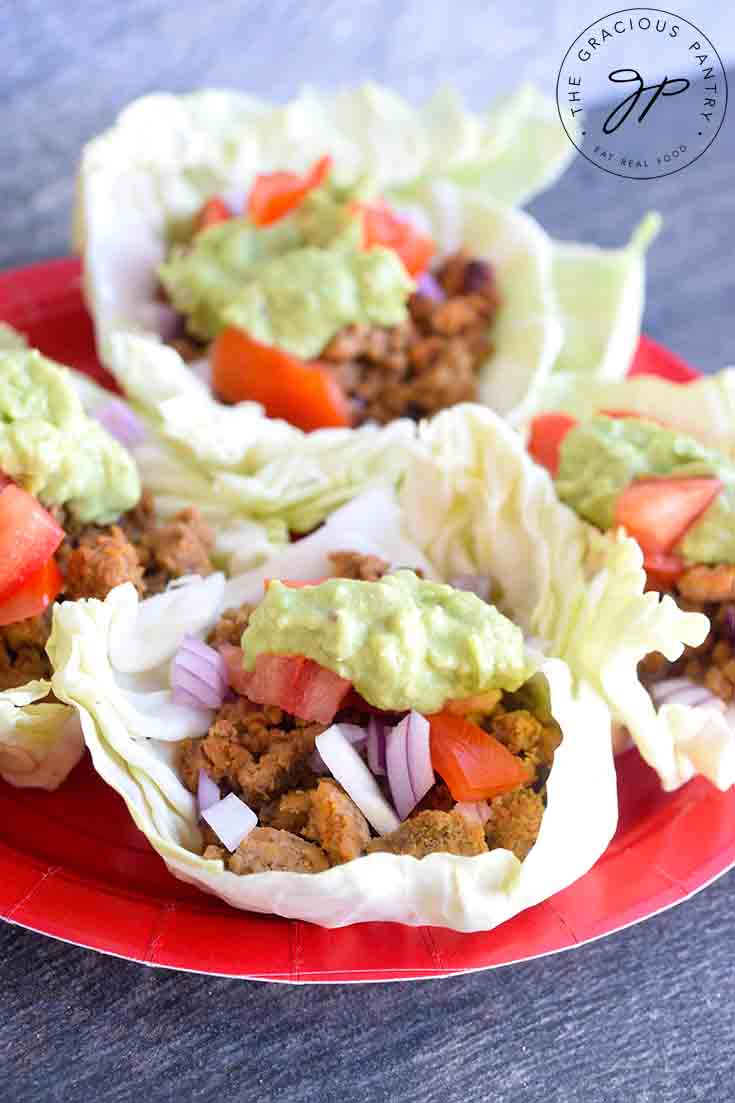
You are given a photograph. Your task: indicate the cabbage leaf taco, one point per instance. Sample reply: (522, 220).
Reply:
(348, 259)
(382, 741)
(657, 459)
(74, 522)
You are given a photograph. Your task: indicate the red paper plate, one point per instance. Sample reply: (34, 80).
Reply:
(72, 864)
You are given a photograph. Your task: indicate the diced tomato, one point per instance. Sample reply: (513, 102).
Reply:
(303, 393)
(474, 765)
(653, 359)
(275, 194)
(238, 678)
(34, 596)
(480, 702)
(29, 536)
(633, 414)
(293, 584)
(662, 571)
(299, 686)
(547, 433)
(210, 213)
(658, 512)
(381, 226)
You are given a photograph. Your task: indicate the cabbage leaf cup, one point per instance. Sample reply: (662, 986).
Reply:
(459, 174)
(469, 501)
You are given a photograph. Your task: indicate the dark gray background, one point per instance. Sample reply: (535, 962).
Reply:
(645, 1015)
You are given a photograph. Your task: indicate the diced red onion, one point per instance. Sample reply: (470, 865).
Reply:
(396, 767)
(162, 318)
(198, 675)
(376, 746)
(729, 623)
(478, 276)
(418, 747)
(235, 200)
(120, 422)
(348, 768)
(207, 792)
(683, 691)
(473, 811)
(408, 762)
(478, 584)
(430, 287)
(231, 820)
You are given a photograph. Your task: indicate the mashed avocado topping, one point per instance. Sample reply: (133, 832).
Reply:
(600, 457)
(403, 642)
(293, 284)
(49, 445)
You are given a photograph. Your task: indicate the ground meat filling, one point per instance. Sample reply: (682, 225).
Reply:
(428, 832)
(23, 655)
(708, 590)
(255, 751)
(308, 823)
(137, 549)
(430, 361)
(93, 559)
(363, 568)
(267, 850)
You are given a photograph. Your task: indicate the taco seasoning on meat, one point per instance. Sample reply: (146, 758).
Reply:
(323, 307)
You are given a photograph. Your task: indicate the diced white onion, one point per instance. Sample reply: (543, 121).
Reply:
(348, 768)
(231, 820)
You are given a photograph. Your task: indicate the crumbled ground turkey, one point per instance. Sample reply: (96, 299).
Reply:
(23, 655)
(708, 590)
(326, 816)
(364, 568)
(258, 751)
(94, 559)
(267, 850)
(307, 823)
(429, 362)
(515, 819)
(428, 832)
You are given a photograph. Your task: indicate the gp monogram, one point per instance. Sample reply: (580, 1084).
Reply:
(663, 86)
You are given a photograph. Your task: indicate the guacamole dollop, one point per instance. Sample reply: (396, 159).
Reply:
(403, 642)
(293, 284)
(49, 445)
(601, 456)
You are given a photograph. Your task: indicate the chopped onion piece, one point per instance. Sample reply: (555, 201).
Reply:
(198, 675)
(473, 811)
(348, 768)
(160, 317)
(120, 422)
(683, 691)
(408, 762)
(729, 619)
(376, 746)
(231, 820)
(477, 584)
(396, 767)
(353, 733)
(430, 287)
(207, 792)
(420, 770)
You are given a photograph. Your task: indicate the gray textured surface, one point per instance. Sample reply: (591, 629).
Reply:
(645, 1015)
